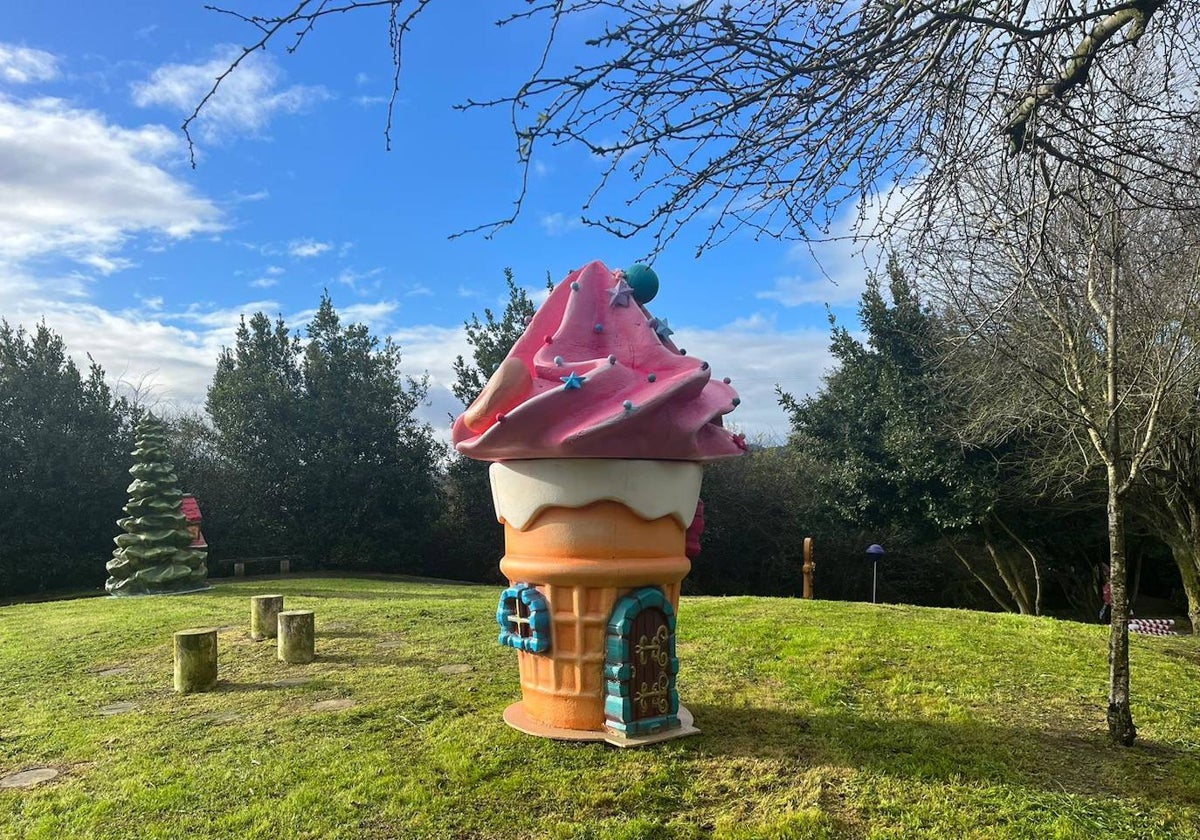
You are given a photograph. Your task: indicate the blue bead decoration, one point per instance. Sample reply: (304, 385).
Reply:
(628, 405)
(651, 378)
(737, 401)
(612, 360)
(558, 360)
(704, 366)
(574, 287)
(726, 380)
(599, 328)
(644, 282)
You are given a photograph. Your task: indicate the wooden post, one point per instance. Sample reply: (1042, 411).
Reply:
(264, 616)
(808, 568)
(285, 566)
(195, 660)
(239, 569)
(297, 632)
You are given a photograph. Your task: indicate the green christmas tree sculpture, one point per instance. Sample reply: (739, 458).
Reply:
(153, 555)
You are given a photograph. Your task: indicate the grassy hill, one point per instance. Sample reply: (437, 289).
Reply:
(819, 719)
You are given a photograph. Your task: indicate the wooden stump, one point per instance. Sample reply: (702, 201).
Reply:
(264, 616)
(195, 660)
(297, 631)
(239, 569)
(285, 567)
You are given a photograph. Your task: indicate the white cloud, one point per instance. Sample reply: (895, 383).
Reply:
(245, 103)
(369, 101)
(23, 65)
(757, 356)
(264, 282)
(274, 270)
(75, 185)
(834, 271)
(305, 248)
(557, 224)
(419, 290)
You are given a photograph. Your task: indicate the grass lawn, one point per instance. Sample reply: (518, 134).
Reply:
(818, 719)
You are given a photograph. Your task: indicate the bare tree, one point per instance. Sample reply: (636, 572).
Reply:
(772, 116)
(1081, 306)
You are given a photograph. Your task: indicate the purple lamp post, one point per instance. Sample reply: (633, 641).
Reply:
(874, 551)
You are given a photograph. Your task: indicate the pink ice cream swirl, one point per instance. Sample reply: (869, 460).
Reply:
(596, 376)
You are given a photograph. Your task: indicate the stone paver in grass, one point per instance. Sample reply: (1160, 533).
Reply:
(291, 682)
(460, 668)
(115, 671)
(29, 778)
(222, 717)
(118, 708)
(338, 705)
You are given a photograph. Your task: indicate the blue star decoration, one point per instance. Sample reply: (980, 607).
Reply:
(572, 382)
(620, 294)
(664, 331)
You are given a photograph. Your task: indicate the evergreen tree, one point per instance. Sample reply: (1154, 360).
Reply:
(475, 548)
(329, 457)
(153, 555)
(63, 438)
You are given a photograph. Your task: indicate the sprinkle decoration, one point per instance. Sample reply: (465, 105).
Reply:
(549, 339)
(574, 287)
(628, 405)
(651, 378)
(558, 360)
(737, 401)
(612, 360)
(572, 382)
(599, 328)
(704, 366)
(726, 380)
(501, 417)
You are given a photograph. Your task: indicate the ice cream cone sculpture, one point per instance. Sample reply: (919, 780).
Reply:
(597, 424)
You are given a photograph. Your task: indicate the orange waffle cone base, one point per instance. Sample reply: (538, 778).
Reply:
(583, 560)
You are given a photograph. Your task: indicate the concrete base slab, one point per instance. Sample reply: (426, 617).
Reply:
(516, 717)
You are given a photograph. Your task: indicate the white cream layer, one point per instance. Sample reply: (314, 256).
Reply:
(523, 489)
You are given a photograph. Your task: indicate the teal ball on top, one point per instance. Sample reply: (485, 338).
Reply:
(643, 281)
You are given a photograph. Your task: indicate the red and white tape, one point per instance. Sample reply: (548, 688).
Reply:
(1152, 626)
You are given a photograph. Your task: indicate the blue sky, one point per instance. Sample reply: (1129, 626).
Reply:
(108, 234)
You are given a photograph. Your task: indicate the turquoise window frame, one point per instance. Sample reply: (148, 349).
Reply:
(538, 640)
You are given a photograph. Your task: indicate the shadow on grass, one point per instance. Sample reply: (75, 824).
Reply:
(1083, 763)
(224, 687)
(343, 634)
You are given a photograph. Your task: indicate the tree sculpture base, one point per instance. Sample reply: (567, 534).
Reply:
(195, 660)
(516, 717)
(297, 633)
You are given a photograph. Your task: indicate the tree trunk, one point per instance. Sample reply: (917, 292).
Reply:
(1187, 558)
(1120, 718)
